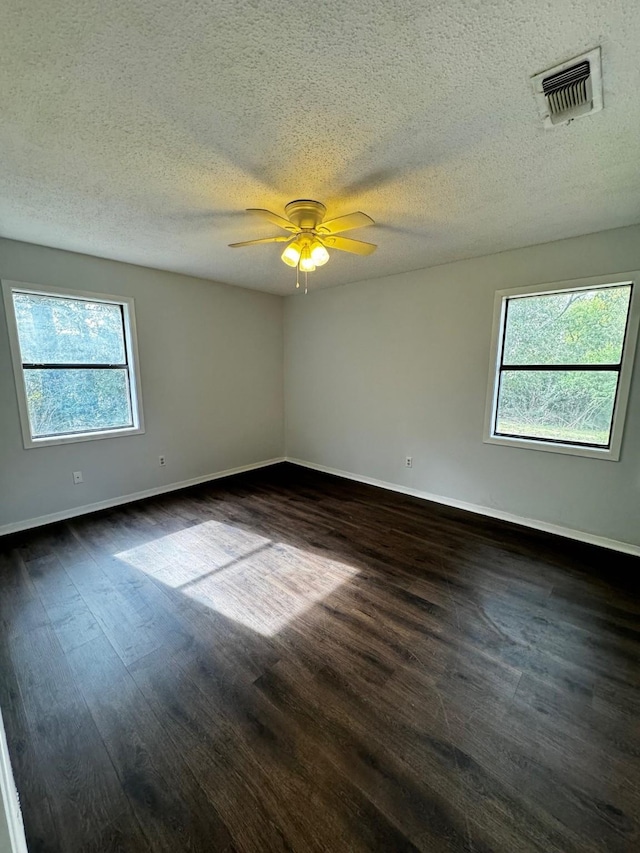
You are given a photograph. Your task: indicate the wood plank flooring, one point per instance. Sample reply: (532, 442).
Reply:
(285, 661)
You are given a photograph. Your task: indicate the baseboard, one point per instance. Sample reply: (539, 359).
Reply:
(534, 524)
(9, 802)
(544, 526)
(17, 526)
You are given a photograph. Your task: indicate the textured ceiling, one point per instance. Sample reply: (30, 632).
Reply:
(141, 130)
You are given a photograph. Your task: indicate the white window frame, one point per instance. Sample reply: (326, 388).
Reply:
(131, 341)
(612, 452)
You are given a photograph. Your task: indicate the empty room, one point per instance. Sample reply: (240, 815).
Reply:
(319, 427)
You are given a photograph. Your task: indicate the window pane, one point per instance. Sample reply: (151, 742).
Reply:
(68, 400)
(55, 330)
(574, 327)
(570, 406)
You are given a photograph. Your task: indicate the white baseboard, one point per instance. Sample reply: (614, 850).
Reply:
(9, 803)
(17, 526)
(545, 526)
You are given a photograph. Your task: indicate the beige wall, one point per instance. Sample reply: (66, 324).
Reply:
(398, 366)
(211, 363)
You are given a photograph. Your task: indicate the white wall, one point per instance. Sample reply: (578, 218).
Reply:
(398, 366)
(12, 838)
(211, 361)
(5, 838)
(374, 371)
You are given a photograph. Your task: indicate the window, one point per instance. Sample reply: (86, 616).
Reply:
(75, 364)
(561, 366)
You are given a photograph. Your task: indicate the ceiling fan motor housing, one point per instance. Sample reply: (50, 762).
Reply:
(305, 213)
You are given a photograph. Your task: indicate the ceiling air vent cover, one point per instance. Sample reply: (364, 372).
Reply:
(570, 90)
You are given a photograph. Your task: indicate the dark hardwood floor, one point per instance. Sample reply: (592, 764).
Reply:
(288, 661)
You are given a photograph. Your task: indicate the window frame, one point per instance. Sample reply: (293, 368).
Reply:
(127, 307)
(612, 452)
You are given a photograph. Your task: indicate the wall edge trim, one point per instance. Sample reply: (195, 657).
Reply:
(501, 515)
(479, 509)
(62, 515)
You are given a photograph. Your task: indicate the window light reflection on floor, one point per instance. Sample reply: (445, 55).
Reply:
(246, 577)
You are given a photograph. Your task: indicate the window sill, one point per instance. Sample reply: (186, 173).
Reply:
(30, 443)
(610, 454)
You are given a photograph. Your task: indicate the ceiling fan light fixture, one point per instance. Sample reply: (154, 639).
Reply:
(309, 235)
(291, 254)
(306, 261)
(319, 254)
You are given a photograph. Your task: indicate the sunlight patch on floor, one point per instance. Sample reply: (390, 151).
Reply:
(269, 588)
(178, 558)
(245, 577)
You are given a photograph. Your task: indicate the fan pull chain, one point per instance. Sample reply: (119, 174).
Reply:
(306, 275)
(297, 275)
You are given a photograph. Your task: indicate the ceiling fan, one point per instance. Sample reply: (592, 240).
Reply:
(310, 236)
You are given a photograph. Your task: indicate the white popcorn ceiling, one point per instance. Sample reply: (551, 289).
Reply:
(141, 130)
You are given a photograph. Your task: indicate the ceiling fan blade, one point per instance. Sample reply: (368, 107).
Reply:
(346, 244)
(273, 217)
(263, 240)
(345, 223)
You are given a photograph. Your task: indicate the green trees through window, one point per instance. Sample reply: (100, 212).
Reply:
(560, 365)
(75, 364)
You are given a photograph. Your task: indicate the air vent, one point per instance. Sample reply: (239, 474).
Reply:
(570, 90)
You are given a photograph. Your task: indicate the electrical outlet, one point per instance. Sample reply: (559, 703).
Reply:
(77, 477)
(409, 461)
(162, 460)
